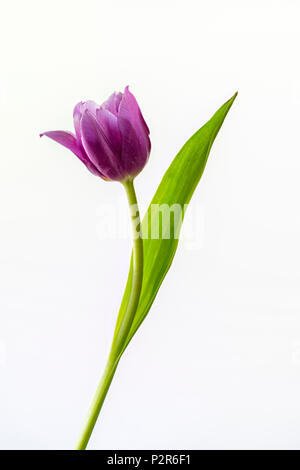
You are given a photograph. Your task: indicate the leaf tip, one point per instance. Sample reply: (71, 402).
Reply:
(230, 101)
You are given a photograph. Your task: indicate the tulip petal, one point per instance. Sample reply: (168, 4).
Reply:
(91, 106)
(110, 127)
(77, 113)
(113, 103)
(79, 109)
(135, 134)
(68, 140)
(98, 148)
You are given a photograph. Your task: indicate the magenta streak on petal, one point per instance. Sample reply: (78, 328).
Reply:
(135, 134)
(110, 127)
(130, 98)
(98, 148)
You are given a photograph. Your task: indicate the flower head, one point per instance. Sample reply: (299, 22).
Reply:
(112, 140)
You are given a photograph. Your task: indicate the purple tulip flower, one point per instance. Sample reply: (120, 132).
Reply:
(112, 140)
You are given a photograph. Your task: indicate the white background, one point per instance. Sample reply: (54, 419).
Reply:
(216, 364)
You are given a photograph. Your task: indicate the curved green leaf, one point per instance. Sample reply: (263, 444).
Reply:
(176, 187)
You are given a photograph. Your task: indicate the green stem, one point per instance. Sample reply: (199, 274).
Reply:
(96, 405)
(137, 278)
(125, 325)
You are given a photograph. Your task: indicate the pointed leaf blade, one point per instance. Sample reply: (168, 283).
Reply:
(176, 188)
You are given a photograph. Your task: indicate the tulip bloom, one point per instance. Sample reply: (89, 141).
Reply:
(112, 140)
